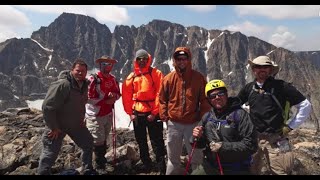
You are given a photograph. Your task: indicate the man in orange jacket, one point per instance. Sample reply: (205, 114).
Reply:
(182, 104)
(141, 102)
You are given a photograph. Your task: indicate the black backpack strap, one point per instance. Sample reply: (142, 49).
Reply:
(271, 93)
(276, 100)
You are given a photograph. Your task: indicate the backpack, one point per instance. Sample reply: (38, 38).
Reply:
(96, 80)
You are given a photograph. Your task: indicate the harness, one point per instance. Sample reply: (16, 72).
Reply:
(232, 118)
(145, 73)
(148, 72)
(97, 80)
(233, 121)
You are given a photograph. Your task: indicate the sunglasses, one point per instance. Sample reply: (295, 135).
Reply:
(214, 95)
(261, 66)
(106, 64)
(181, 59)
(141, 59)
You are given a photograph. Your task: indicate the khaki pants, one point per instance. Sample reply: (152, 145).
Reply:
(269, 160)
(177, 135)
(100, 128)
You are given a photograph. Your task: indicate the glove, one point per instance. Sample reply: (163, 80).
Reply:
(133, 117)
(286, 130)
(166, 119)
(150, 117)
(215, 146)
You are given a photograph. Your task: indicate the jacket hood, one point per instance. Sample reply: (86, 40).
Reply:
(188, 53)
(137, 69)
(65, 74)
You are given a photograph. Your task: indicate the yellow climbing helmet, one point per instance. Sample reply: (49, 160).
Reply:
(214, 84)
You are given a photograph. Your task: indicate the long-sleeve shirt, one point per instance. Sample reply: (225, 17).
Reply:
(98, 94)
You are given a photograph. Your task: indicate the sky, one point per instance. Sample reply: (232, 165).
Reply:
(294, 27)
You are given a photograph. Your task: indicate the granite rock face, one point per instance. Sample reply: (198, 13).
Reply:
(20, 148)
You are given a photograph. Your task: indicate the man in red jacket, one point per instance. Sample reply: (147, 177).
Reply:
(103, 91)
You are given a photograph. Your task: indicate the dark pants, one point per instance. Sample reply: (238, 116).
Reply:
(51, 148)
(155, 131)
(208, 168)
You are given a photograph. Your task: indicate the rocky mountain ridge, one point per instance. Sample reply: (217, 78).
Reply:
(28, 66)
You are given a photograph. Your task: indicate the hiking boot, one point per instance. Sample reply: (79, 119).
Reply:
(89, 172)
(161, 166)
(45, 171)
(100, 160)
(145, 167)
(70, 172)
(100, 163)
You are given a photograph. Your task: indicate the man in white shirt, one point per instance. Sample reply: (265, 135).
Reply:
(270, 101)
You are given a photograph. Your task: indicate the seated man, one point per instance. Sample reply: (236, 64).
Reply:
(226, 132)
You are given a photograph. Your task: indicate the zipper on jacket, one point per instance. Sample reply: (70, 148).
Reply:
(183, 96)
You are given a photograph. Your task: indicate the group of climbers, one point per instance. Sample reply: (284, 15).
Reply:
(219, 135)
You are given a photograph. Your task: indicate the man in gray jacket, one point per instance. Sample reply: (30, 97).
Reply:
(63, 111)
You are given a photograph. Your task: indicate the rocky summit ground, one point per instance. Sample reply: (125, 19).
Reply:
(20, 147)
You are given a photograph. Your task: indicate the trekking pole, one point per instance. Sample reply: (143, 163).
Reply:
(114, 137)
(219, 163)
(190, 157)
(217, 154)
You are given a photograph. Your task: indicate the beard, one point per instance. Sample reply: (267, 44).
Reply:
(182, 70)
(263, 75)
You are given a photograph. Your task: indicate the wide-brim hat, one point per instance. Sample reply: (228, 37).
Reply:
(106, 59)
(265, 61)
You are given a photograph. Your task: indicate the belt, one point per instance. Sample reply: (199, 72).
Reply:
(142, 113)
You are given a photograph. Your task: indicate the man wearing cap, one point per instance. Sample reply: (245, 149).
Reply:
(182, 104)
(141, 102)
(103, 91)
(270, 100)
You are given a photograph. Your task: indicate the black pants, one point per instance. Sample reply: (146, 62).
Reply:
(212, 168)
(155, 131)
